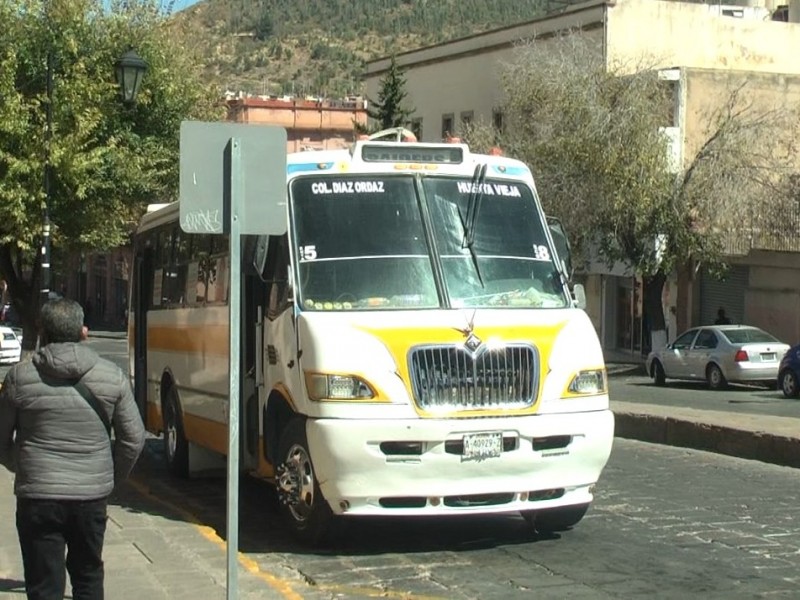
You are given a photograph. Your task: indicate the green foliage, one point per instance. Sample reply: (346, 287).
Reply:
(592, 138)
(108, 160)
(263, 26)
(390, 110)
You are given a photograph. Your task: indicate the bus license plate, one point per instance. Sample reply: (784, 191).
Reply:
(479, 446)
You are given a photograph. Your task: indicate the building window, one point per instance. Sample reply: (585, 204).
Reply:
(497, 120)
(466, 119)
(447, 125)
(416, 128)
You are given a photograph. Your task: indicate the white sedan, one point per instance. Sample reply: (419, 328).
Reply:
(719, 354)
(10, 346)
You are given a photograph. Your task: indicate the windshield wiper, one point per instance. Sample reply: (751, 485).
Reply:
(473, 207)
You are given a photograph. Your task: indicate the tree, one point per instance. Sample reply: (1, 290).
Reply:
(594, 136)
(107, 160)
(264, 26)
(390, 110)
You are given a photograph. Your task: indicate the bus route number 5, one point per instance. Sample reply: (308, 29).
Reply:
(308, 252)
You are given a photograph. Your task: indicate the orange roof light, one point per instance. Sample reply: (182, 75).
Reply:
(495, 151)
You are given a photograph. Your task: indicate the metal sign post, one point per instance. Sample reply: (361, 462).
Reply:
(242, 194)
(234, 181)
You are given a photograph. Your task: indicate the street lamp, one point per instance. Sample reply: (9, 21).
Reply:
(130, 69)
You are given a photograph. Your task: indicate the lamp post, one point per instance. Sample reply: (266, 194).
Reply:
(45, 292)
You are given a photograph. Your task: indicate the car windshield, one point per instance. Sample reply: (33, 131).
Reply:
(363, 243)
(749, 336)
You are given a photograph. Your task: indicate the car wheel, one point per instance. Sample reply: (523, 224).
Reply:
(789, 384)
(304, 508)
(551, 520)
(716, 380)
(659, 377)
(176, 448)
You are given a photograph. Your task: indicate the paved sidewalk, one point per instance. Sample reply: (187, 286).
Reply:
(760, 437)
(153, 551)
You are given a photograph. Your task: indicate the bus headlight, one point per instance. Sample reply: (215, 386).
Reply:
(337, 387)
(589, 382)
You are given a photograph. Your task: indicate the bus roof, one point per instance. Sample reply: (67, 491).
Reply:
(376, 154)
(158, 214)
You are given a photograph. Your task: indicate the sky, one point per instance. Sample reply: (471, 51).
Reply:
(181, 4)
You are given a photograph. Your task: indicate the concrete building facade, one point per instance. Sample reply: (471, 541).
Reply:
(705, 50)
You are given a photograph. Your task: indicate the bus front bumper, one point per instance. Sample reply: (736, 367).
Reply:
(418, 467)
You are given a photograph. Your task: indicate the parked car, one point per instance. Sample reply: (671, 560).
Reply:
(719, 354)
(10, 346)
(789, 373)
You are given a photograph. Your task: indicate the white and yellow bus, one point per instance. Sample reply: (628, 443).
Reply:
(410, 346)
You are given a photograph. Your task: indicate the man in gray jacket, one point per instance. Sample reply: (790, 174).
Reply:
(56, 416)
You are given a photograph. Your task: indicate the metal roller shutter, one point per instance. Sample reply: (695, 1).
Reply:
(728, 294)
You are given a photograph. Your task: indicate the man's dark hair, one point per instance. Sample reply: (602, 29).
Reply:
(62, 321)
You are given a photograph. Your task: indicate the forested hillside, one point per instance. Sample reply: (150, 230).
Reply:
(319, 47)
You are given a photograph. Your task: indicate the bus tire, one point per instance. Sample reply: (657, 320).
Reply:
(176, 448)
(302, 505)
(551, 520)
(659, 377)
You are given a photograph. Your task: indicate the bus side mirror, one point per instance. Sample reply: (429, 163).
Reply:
(260, 256)
(579, 295)
(290, 284)
(561, 243)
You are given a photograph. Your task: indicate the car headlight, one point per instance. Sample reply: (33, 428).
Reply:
(589, 382)
(337, 387)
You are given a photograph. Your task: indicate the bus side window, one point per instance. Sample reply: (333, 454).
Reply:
(205, 271)
(163, 252)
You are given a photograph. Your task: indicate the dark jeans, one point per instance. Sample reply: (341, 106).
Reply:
(49, 527)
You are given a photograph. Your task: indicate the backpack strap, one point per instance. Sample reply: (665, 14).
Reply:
(94, 403)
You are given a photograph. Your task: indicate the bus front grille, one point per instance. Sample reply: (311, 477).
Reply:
(453, 378)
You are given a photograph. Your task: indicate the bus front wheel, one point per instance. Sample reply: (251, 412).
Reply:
(176, 448)
(301, 502)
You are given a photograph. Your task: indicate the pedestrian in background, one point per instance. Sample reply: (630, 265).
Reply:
(722, 318)
(57, 413)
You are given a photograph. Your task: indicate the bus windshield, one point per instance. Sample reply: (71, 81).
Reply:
(362, 242)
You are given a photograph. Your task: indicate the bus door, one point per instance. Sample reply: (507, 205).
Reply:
(253, 300)
(140, 302)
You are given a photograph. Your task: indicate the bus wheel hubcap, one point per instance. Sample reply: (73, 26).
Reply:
(296, 483)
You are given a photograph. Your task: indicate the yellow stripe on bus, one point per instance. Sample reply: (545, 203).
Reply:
(206, 432)
(209, 434)
(206, 339)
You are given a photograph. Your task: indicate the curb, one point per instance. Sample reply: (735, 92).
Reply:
(109, 335)
(620, 369)
(755, 445)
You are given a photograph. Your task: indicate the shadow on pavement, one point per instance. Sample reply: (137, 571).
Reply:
(12, 585)
(203, 502)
